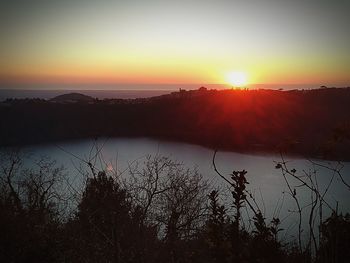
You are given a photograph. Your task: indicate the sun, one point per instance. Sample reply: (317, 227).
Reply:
(237, 78)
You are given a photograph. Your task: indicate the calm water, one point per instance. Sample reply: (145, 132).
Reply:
(266, 182)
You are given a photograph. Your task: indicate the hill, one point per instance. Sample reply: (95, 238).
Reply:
(72, 98)
(311, 122)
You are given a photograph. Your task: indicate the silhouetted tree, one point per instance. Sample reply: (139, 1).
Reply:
(216, 230)
(264, 245)
(107, 224)
(173, 199)
(29, 204)
(335, 241)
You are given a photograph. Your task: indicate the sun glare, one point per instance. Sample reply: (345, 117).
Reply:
(237, 78)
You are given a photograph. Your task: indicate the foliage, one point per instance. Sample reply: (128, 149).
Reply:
(163, 213)
(335, 241)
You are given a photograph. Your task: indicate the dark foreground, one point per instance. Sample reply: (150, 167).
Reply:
(164, 213)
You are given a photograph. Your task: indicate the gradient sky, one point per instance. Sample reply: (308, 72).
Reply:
(139, 41)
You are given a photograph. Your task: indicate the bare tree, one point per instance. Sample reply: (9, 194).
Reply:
(32, 205)
(307, 182)
(171, 197)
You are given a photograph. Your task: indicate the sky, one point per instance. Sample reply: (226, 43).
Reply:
(140, 41)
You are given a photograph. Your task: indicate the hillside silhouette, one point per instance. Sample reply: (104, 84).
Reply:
(72, 98)
(307, 122)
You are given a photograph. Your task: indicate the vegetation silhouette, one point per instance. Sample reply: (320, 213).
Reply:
(306, 122)
(162, 212)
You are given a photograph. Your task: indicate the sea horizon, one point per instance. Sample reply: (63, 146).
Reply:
(123, 91)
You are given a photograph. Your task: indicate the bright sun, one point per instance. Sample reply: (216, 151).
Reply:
(237, 78)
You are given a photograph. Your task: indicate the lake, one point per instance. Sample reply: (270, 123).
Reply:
(266, 182)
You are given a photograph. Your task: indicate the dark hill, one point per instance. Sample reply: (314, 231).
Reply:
(303, 122)
(72, 97)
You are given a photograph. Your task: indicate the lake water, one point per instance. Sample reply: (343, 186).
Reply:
(265, 181)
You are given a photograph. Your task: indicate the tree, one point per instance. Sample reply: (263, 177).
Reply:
(216, 230)
(171, 198)
(335, 241)
(107, 223)
(30, 200)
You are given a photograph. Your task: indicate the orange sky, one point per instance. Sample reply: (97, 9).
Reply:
(167, 42)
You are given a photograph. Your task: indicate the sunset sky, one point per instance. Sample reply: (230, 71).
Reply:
(139, 41)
